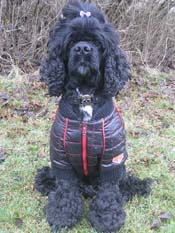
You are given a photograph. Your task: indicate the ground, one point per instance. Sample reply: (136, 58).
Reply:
(26, 114)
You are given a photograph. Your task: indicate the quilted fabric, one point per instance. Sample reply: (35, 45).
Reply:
(105, 144)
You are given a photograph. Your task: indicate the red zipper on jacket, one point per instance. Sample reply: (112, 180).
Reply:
(84, 148)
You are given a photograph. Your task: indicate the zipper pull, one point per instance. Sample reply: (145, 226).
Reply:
(84, 129)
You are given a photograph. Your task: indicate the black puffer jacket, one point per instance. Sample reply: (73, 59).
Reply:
(91, 148)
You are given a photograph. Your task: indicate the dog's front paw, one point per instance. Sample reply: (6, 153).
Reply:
(106, 212)
(64, 207)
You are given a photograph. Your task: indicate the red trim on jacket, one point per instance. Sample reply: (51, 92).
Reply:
(103, 137)
(120, 115)
(65, 132)
(84, 148)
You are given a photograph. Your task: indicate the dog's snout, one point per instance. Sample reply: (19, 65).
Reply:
(83, 47)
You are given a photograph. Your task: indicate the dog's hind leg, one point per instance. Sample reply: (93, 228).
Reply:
(45, 180)
(131, 185)
(65, 204)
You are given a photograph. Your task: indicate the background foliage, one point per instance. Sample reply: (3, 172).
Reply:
(146, 28)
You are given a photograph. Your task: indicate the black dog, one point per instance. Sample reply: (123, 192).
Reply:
(87, 145)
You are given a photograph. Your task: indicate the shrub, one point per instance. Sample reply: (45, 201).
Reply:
(147, 30)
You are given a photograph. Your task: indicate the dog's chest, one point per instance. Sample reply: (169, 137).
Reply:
(84, 145)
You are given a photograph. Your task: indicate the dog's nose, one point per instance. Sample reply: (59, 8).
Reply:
(85, 48)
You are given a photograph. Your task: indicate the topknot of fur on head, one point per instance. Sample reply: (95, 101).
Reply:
(72, 28)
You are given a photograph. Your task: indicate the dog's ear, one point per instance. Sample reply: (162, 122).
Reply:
(52, 70)
(116, 69)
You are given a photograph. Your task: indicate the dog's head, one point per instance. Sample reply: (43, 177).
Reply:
(83, 63)
(83, 48)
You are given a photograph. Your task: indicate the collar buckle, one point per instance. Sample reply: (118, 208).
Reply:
(85, 100)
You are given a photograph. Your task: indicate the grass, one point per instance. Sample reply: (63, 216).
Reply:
(26, 115)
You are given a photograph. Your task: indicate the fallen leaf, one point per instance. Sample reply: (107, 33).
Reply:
(18, 222)
(134, 133)
(146, 160)
(18, 178)
(53, 114)
(172, 166)
(21, 111)
(32, 187)
(3, 99)
(2, 155)
(156, 224)
(42, 112)
(3, 96)
(165, 125)
(165, 216)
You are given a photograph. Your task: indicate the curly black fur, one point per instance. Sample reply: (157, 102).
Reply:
(106, 211)
(131, 185)
(65, 206)
(45, 181)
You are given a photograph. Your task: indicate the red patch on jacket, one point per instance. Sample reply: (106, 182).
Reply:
(118, 159)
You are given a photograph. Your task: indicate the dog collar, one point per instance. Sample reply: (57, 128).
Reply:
(83, 100)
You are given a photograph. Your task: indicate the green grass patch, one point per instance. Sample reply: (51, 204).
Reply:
(26, 115)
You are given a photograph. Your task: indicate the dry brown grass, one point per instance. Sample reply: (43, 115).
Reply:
(147, 30)
(24, 25)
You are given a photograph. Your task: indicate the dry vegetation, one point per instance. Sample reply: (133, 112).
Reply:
(147, 30)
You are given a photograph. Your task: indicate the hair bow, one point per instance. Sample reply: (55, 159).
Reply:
(83, 13)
